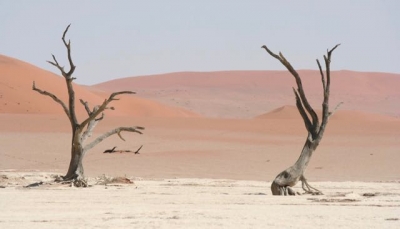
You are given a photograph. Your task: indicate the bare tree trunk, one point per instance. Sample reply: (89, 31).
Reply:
(75, 171)
(291, 176)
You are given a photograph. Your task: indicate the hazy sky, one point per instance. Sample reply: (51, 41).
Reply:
(114, 39)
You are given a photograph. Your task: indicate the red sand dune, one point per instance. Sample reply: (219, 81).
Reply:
(245, 94)
(17, 96)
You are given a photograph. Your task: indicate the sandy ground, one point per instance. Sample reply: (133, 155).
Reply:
(201, 173)
(256, 149)
(195, 203)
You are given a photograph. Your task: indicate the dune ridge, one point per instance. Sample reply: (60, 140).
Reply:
(17, 96)
(245, 94)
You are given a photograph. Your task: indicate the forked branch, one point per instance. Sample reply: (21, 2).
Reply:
(103, 106)
(71, 64)
(68, 46)
(303, 98)
(327, 83)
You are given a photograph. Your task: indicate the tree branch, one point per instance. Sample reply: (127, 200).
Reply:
(322, 76)
(112, 132)
(68, 79)
(86, 105)
(103, 106)
(325, 104)
(55, 63)
(55, 98)
(302, 112)
(92, 124)
(282, 59)
(68, 46)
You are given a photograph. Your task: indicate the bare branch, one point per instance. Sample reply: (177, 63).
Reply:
(68, 79)
(300, 89)
(330, 51)
(55, 98)
(302, 112)
(103, 106)
(55, 63)
(325, 104)
(120, 136)
(327, 65)
(86, 105)
(322, 76)
(89, 112)
(68, 46)
(92, 124)
(112, 132)
(271, 53)
(65, 32)
(112, 96)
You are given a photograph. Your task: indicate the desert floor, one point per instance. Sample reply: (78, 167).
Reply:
(195, 203)
(201, 173)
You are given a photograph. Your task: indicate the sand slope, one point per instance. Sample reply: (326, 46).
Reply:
(291, 112)
(17, 96)
(245, 94)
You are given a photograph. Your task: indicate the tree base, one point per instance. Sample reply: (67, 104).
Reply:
(76, 181)
(286, 190)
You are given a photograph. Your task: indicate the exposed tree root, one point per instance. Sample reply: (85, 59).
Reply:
(80, 183)
(283, 183)
(74, 181)
(308, 188)
(282, 190)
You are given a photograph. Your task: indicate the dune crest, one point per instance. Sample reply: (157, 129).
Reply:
(246, 94)
(17, 96)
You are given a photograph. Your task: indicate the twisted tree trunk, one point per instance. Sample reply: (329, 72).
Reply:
(295, 173)
(81, 131)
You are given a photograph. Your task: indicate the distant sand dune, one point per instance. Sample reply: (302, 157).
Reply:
(245, 94)
(291, 112)
(17, 96)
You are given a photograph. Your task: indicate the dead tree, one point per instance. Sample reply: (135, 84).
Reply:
(81, 131)
(315, 128)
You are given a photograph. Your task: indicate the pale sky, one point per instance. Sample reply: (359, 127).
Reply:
(115, 39)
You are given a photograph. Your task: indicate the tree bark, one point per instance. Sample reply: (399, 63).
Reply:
(75, 169)
(291, 176)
